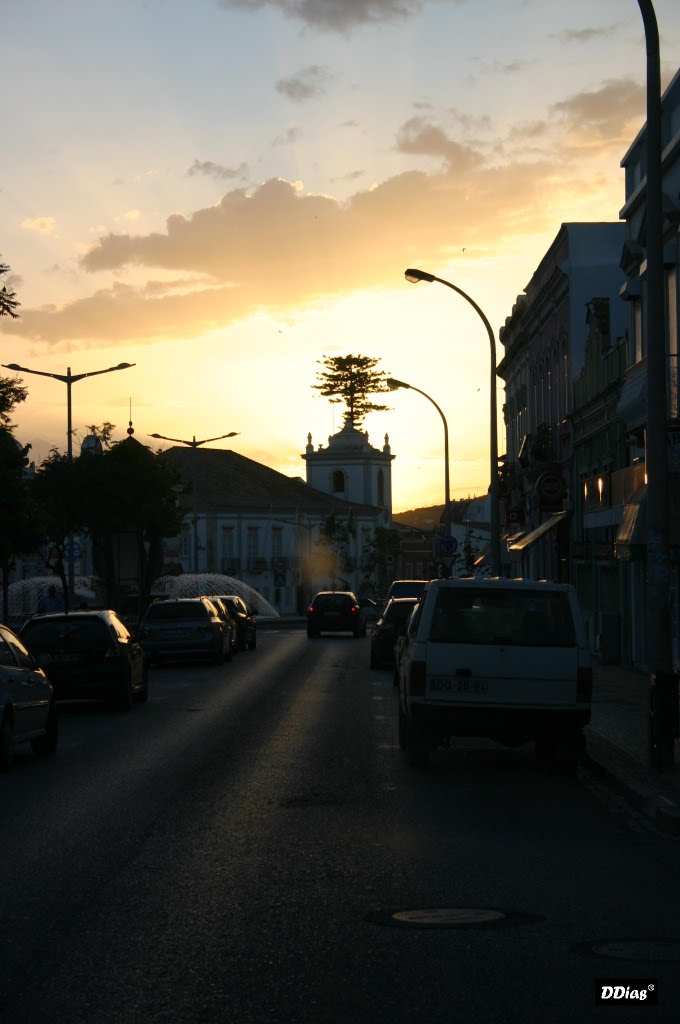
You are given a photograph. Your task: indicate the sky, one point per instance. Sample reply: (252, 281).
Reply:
(224, 192)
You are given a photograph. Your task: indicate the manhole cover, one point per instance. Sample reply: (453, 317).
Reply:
(636, 949)
(450, 917)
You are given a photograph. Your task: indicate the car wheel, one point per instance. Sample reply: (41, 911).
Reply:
(6, 743)
(124, 697)
(229, 653)
(242, 645)
(143, 694)
(47, 744)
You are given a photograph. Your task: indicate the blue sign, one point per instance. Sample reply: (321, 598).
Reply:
(279, 579)
(448, 546)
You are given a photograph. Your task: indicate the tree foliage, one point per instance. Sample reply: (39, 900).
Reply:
(8, 300)
(350, 380)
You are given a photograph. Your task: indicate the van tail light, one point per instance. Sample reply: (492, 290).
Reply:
(416, 680)
(311, 608)
(584, 684)
(354, 609)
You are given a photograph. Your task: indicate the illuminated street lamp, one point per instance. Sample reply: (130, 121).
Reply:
(414, 276)
(393, 385)
(194, 444)
(68, 379)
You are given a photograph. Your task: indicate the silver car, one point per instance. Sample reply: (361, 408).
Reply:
(27, 706)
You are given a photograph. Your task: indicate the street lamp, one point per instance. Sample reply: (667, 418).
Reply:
(393, 385)
(68, 379)
(414, 276)
(194, 444)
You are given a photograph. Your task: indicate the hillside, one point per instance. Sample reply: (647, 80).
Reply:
(429, 518)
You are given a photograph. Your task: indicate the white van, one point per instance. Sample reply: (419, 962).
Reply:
(497, 658)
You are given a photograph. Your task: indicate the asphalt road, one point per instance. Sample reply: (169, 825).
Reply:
(236, 849)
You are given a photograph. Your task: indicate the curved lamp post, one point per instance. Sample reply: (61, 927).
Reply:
(194, 444)
(414, 276)
(395, 385)
(68, 379)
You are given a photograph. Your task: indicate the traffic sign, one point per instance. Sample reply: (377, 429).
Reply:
(448, 546)
(279, 579)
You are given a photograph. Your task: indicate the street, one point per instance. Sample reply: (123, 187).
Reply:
(235, 850)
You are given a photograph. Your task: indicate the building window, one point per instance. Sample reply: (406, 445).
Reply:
(338, 482)
(253, 541)
(381, 487)
(227, 542)
(638, 350)
(277, 542)
(184, 542)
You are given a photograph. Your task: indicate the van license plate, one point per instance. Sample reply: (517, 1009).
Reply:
(459, 684)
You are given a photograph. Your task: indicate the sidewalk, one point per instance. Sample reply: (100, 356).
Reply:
(617, 745)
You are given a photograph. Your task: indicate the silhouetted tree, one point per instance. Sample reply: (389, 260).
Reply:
(8, 300)
(350, 380)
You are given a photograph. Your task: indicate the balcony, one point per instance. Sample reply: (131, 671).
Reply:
(256, 564)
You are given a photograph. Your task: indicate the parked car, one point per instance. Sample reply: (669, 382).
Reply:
(27, 706)
(404, 588)
(89, 655)
(389, 627)
(371, 609)
(180, 627)
(335, 611)
(246, 627)
(229, 624)
(498, 658)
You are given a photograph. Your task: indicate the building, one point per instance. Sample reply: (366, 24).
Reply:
(545, 341)
(628, 502)
(253, 523)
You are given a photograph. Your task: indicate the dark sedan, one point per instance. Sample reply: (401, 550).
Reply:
(335, 611)
(391, 625)
(184, 627)
(27, 710)
(89, 655)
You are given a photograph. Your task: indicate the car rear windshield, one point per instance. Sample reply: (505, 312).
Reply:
(519, 618)
(332, 602)
(407, 588)
(179, 610)
(65, 635)
(398, 611)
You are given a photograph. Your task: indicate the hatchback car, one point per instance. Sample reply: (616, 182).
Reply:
(184, 627)
(246, 627)
(27, 706)
(389, 627)
(335, 611)
(89, 655)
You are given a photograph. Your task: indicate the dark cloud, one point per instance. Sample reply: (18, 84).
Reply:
(420, 136)
(350, 176)
(585, 35)
(510, 67)
(219, 171)
(289, 137)
(307, 84)
(605, 113)
(337, 15)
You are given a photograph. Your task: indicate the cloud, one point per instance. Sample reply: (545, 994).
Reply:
(307, 84)
(219, 171)
(132, 215)
(290, 136)
(419, 136)
(603, 114)
(585, 35)
(336, 15)
(43, 225)
(279, 249)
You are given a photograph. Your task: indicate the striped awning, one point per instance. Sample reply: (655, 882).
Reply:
(518, 547)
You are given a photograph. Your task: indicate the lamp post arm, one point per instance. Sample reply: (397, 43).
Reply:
(39, 373)
(447, 486)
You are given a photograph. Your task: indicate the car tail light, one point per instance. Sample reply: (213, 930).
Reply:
(416, 679)
(584, 684)
(354, 609)
(311, 608)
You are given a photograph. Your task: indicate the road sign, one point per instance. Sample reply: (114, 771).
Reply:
(279, 566)
(279, 579)
(448, 546)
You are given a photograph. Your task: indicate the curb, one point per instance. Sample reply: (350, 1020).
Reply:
(638, 786)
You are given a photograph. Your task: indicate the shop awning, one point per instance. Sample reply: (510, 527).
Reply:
(518, 547)
(631, 537)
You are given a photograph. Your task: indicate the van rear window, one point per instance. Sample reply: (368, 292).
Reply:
(515, 618)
